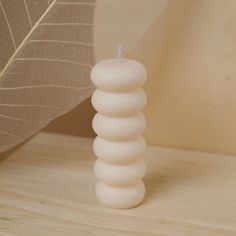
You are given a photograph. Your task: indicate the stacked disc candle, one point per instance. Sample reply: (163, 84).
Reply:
(119, 124)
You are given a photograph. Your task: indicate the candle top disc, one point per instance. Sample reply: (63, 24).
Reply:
(118, 75)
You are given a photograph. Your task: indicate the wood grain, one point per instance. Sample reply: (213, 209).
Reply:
(47, 188)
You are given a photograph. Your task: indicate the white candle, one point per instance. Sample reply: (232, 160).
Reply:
(119, 125)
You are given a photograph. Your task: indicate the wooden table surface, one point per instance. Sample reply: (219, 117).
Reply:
(47, 189)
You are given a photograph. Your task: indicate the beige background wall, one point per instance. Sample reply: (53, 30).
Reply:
(192, 86)
(190, 53)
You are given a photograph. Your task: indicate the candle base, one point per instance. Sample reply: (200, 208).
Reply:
(122, 197)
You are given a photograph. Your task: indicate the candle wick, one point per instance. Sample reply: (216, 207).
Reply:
(119, 51)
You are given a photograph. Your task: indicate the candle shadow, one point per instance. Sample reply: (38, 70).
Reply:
(168, 172)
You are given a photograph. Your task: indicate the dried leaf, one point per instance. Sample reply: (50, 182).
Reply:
(47, 51)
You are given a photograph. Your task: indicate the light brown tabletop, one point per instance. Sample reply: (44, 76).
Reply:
(47, 189)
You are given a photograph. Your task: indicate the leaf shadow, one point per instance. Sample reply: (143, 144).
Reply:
(8, 153)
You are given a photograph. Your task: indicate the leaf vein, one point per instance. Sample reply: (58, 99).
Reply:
(42, 86)
(9, 27)
(53, 60)
(27, 11)
(59, 41)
